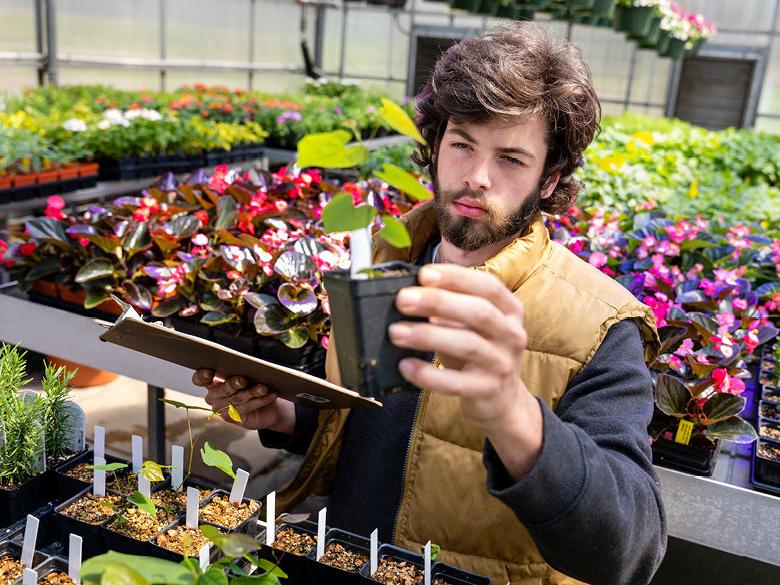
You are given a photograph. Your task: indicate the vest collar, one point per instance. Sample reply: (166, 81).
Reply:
(513, 264)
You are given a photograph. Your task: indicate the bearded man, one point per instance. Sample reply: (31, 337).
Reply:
(524, 454)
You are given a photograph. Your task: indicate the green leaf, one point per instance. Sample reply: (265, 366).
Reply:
(733, 429)
(435, 551)
(183, 226)
(340, 215)
(233, 544)
(272, 319)
(94, 269)
(294, 338)
(266, 566)
(696, 244)
(48, 229)
(152, 471)
(168, 307)
(177, 404)
(96, 297)
(47, 266)
(110, 244)
(329, 150)
(116, 574)
(137, 239)
(142, 502)
(705, 325)
(403, 181)
(108, 466)
(226, 213)
(394, 232)
(671, 395)
(151, 569)
(399, 120)
(213, 576)
(216, 458)
(213, 318)
(722, 406)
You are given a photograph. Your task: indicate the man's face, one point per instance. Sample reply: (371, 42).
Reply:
(488, 177)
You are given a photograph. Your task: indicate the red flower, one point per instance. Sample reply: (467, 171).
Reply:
(203, 216)
(727, 384)
(28, 249)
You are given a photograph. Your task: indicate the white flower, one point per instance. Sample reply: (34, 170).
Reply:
(153, 115)
(113, 114)
(103, 124)
(75, 125)
(132, 114)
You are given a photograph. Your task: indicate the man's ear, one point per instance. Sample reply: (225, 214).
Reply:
(550, 185)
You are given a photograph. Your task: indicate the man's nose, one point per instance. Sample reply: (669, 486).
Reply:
(478, 176)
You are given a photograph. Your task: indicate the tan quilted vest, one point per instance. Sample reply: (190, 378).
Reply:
(569, 306)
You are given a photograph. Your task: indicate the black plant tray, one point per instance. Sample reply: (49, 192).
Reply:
(297, 567)
(764, 474)
(693, 460)
(322, 573)
(67, 486)
(18, 502)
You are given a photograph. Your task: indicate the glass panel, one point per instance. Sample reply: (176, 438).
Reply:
(231, 79)
(609, 57)
(646, 110)
(15, 79)
(331, 45)
(116, 77)
(17, 26)
(279, 82)
(368, 42)
(743, 15)
(771, 125)
(393, 90)
(209, 29)
(651, 78)
(611, 109)
(121, 29)
(770, 94)
(282, 20)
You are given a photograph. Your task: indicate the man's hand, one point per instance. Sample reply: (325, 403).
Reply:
(476, 328)
(258, 406)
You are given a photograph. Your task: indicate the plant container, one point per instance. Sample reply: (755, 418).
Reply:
(687, 458)
(765, 466)
(14, 550)
(456, 576)
(675, 49)
(248, 525)
(68, 484)
(92, 533)
(323, 571)
(46, 572)
(389, 555)
(17, 502)
(297, 566)
(362, 309)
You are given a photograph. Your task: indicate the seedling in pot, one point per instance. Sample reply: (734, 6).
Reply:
(93, 509)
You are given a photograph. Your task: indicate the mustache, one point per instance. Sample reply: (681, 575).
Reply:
(478, 196)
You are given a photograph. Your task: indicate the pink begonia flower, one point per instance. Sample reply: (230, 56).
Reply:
(727, 384)
(725, 319)
(709, 287)
(727, 276)
(200, 240)
(686, 348)
(740, 304)
(676, 233)
(751, 340)
(597, 259)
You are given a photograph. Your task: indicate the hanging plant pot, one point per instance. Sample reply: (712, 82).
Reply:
(581, 4)
(469, 5)
(663, 41)
(508, 10)
(639, 21)
(694, 47)
(362, 309)
(488, 7)
(603, 8)
(650, 40)
(675, 49)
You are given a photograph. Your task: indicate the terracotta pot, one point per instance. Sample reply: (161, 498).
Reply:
(86, 376)
(88, 169)
(6, 182)
(45, 288)
(49, 176)
(110, 308)
(69, 172)
(25, 179)
(74, 296)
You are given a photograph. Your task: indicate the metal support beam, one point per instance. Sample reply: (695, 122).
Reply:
(163, 43)
(630, 82)
(155, 424)
(39, 40)
(319, 36)
(343, 51)
(250, 76)
(52, 73)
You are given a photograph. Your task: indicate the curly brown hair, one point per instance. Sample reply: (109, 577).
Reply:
(513, 73)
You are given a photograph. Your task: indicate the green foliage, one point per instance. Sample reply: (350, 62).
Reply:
(216, 458)
(56, 392)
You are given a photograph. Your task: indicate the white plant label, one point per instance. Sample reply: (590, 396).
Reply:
(177, 467)
(100, 442)
(74, 557)
(360, 251)
(193, 501)
(203, 557)
(30, 538)
(29, 577)
(99, 478)
(374, 550)
(321, 521)
(427, 558)
(144, 486)
(270, 518)
(239, 486)
(138, 453)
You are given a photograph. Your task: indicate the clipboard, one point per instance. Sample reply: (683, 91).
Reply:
(155, 339)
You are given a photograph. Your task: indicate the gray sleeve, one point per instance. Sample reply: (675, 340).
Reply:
(592, 501)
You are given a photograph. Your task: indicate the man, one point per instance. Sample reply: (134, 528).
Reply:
(525, 455)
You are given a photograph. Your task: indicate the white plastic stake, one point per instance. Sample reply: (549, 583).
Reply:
(99, 478)
(100, 442)
(427, 558)
(30, 577)
(138, 452)
(360, 251)
(74, 557)
(374, 550)
(321, 533)
(193, 501)
(30, 538)
(239, 486)
(177, 469)
(144, 486)
(270, 518)
(203, 557)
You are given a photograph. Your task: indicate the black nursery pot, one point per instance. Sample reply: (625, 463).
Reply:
(765, 472)
(16, 503)
(361, 311)
(297, 567)
(93, 535)
(68, 486)
(693, 460)
(394, 552)
(322, 573)
(457, 576)
(53, 565)
(14, 550)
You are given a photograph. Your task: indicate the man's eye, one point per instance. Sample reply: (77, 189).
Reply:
(513, 161)
(460, 145)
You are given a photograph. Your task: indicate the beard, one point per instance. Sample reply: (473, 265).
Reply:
(471, 234)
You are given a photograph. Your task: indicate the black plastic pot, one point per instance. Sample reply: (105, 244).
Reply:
(66, 486)
(248, 526)
(361, 311)
(764, 472)
(163, 553)
(457, 576)
(14, 550)
(52, 565)
(94, 542)
(118, 169)
(769, 410)
(322, 573)
(16, 503)
(297, 567)
(693, 460)
(394, 552)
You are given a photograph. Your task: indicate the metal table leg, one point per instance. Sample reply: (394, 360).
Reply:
(155, 423)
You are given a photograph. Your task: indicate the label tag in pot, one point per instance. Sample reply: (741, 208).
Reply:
(177, 467)
(77, 419)
(427, 559)
(374, 550)
(360, 251)
(30, 577)
(138, 453)
(193, 501)
(74, 557)
(684, 430)
(99, 478)
(239, 486)
(144, 486)
(270, 518)
(30, 538)
(203, 557)
(100, 442)
(321, 520)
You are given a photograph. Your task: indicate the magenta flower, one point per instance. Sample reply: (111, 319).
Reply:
(598, 259)
(727, 384)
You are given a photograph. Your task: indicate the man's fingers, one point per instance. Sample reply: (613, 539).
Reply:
(202, 377)
(254, 404)
(469, 383)
(227, 387)
(246, 395)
